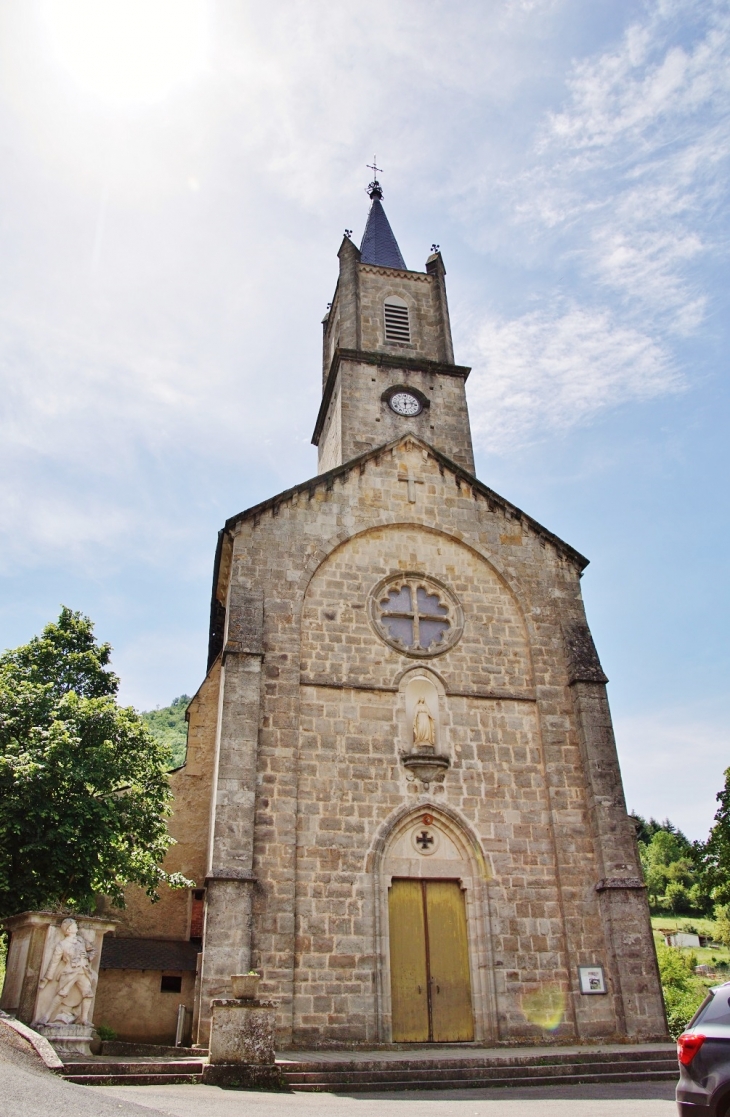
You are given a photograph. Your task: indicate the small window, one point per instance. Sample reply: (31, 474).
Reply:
(171, 983)
(397, 325)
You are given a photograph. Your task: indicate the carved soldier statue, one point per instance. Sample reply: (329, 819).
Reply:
(424, 726)
(71, 968)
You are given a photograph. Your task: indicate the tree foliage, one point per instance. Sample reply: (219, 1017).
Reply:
(83, 787)
(675, 883)
(683, 991)
(168, 726)
(714, 854)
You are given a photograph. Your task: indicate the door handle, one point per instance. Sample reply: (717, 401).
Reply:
(419, 988)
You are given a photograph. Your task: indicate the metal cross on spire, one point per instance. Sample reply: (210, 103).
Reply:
(374, 189)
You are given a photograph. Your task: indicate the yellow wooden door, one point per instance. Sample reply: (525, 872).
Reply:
(448, 956)
(408, 970)
(429, 962)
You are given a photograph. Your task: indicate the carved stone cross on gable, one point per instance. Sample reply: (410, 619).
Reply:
(411, 482)
(424, 839)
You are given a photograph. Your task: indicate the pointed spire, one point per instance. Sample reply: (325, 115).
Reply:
(379, 245)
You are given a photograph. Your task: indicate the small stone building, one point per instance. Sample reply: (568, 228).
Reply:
(401, 801)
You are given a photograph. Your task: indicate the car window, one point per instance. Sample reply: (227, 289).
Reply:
(715, 1009)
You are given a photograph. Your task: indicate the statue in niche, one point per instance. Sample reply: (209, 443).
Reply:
(424, 726)
(70, 967)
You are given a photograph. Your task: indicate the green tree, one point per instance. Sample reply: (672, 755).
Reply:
(168, 726)
(683, 991)
(722, 924)
(713, 855)
(673, 879)
(83, 787)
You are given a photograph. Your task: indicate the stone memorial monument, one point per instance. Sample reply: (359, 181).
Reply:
(52, 974)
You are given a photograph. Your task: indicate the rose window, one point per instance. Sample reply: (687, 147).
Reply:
(416, 615)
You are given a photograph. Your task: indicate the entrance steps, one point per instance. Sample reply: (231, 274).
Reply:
(147, 1071)
(378, 1071)
(443, 1070)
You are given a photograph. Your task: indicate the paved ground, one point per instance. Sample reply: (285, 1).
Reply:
(644, 1100)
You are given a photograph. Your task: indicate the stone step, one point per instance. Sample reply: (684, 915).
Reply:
(135, 1066)
(376, 1085)
(150, 1078)
(390, 1072)
(117, 1047)
(494, 1060)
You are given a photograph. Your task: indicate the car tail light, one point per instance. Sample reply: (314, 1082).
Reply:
(688, 1045)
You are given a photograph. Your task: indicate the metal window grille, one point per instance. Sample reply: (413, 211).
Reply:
(397, 326)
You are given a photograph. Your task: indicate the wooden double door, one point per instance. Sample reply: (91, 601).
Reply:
(429, 962)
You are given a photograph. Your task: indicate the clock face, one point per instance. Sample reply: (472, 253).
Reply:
(403, 403)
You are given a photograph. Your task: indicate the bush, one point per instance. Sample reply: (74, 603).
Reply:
(683, 991)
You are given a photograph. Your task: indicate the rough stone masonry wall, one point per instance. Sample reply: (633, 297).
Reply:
(419, 291)
(366, 420)
(278, 551)
(351, 781)
(191, 787)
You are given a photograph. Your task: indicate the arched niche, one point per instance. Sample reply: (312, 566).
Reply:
(454, 854)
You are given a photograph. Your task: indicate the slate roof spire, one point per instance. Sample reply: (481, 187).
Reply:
(379, 245)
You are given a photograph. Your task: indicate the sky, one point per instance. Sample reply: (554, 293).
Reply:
(176, 179)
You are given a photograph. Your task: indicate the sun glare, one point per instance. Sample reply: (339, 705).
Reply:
(129, 50)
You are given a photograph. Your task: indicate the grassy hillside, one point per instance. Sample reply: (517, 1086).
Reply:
(169, 726)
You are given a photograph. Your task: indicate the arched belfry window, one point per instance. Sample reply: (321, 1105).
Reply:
(397, 324)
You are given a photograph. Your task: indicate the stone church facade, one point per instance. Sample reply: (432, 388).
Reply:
(401, 802)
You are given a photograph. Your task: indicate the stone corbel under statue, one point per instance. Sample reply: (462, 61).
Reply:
(52, 972)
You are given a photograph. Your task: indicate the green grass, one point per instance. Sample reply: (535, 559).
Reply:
(168, 725)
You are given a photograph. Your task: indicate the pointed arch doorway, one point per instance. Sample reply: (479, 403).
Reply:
(434, 973)
(429, 962)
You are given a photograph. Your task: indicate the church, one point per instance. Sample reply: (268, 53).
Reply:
(401, 802)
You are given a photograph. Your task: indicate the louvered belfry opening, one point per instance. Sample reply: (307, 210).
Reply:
(397, 325)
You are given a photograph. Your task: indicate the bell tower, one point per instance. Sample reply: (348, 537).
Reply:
(388, 360)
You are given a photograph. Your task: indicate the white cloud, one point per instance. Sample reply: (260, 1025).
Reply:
(631, 170)
(619, 195)
(673, 763)
(544, 372)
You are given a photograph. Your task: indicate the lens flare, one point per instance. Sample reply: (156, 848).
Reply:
(129, 50)
(545, 1007)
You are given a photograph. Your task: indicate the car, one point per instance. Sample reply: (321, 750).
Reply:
(703, 1051)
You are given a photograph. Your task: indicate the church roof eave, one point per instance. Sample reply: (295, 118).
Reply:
(328, 479)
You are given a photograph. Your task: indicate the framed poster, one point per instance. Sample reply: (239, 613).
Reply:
(591, 979)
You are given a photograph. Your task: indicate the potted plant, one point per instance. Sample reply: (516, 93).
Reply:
(245, 985)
